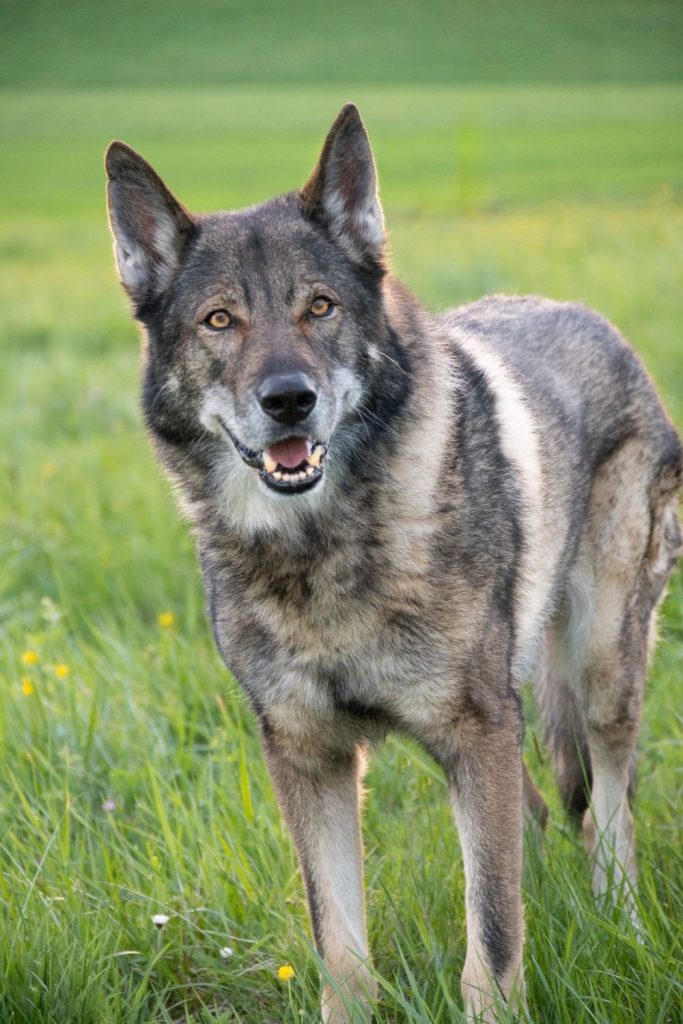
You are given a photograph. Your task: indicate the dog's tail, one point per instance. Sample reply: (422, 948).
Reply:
(566, 740)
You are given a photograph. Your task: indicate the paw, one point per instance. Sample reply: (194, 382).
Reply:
(351, 1002)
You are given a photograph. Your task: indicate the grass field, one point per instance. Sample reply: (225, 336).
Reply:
(132, 782)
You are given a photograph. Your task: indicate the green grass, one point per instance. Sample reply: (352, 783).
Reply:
(225, 42)
(135, 785)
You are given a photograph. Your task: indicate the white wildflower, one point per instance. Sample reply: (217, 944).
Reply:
(160, 920)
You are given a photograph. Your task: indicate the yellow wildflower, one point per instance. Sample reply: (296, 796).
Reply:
(62, 671)
(30, 658)
(27, 687)
(49, 469)
(166, 620)
(286, 972)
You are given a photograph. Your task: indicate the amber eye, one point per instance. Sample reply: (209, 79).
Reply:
(218, 320)
(321, 307)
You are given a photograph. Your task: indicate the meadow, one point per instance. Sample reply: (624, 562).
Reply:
(131, 782)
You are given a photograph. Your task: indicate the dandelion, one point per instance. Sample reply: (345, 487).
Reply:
(160, 920)
(226, 953)
(286, 972)
(62, 671)
(166, 620)
(30, 658)
(27, 687)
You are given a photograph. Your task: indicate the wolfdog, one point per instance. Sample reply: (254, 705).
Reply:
(400, 518)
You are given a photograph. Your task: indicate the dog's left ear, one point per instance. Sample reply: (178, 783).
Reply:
(342, 191)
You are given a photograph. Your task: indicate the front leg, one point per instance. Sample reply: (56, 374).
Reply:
(485, 779)
(318, 790)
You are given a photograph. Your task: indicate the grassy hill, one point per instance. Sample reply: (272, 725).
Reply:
(228, 42)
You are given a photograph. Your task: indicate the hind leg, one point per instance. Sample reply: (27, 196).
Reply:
(612, 732)
(592, 673)
(590, 709)
(631, 544)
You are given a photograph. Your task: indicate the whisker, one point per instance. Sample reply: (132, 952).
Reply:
(367, 429)
(193, 447)
(391, 360)
(378, 419)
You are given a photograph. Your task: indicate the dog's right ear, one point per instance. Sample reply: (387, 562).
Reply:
(150, 227)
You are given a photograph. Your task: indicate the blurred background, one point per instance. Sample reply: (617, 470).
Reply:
(526, 147)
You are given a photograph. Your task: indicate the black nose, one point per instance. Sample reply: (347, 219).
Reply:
(287, 397)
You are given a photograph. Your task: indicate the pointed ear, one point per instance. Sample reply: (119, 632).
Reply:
(150, 227)
(342, 191)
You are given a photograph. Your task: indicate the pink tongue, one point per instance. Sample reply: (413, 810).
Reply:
(290, 453)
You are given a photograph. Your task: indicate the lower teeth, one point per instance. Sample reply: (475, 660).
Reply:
(302, 474)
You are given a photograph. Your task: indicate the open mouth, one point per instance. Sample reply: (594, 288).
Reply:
(289, 467)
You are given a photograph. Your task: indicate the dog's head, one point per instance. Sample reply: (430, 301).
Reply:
(263, 325)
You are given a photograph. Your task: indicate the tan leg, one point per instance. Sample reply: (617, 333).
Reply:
(632, 543)
(486, 788)
(608, 823)
(320, 801)
(592, 680)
